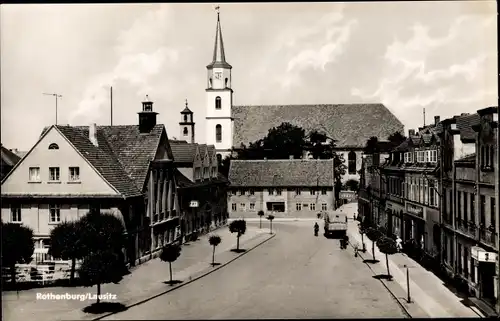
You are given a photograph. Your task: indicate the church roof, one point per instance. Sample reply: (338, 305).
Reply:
(351, 125)
(219, 58)
(281, 173)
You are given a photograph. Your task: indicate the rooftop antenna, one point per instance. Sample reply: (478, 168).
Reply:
(57, 96)
(424, 117)
(111, 98)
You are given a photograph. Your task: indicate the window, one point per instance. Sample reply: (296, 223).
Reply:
(351, 162)
(53, 173)
(15, 215)
(298, 206)
(185, 132)
(324, 206)
(278, 191)
(297, 191)
(252, 191)
(217, 102)
(459, 205)
(74, 174)
(240, 192)
(270, 191)
(312, 206)
(434, 156)
(34, 174)
(492, 152)
(205, 172)
(55, 214)
(252, 206)
(492, 211)
(218, 133)
(482, 210)
(466, 197)
(185, 119)
(233, 207)
(323, 191)
(313, 191)
(53, 146)
(226, 82)
(243, 206)
(426, 156)
(472, 208)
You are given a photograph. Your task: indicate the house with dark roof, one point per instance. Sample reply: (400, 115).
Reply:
(201, 189)
(284, 188)
(228, 126)
(8, 161)
(127, 170)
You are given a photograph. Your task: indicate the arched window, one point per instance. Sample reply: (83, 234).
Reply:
(53, 146)
(218, 133)
(185, 118)
(217, 102)
(226, 82)
(351, 162)
(185, 131)
(210, 83)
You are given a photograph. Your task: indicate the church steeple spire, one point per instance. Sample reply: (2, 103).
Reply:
(219, 58)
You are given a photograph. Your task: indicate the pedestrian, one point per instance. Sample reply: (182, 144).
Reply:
(356, 250)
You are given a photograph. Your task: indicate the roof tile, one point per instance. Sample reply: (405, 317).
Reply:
(350, 124)
(281, 173)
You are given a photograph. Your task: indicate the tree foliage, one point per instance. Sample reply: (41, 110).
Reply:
(396, 139)
(102, 242)
(66, 243)
(17, 246)
(372, 145)
(223, 165)
(352, 185)
(239, 227)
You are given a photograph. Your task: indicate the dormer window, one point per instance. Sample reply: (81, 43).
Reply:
(53, 146)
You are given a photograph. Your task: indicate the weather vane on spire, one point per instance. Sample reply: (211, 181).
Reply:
(217, 8)
(186, 102)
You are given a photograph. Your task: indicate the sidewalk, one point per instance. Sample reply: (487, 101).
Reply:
(143, 282)
(429, 296)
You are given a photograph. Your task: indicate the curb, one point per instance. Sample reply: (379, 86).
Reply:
(386, 287)
(190, 279)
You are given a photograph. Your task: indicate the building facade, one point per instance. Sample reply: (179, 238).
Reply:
(230, 127)
(285, 188)
(441, 182)
(125, 170)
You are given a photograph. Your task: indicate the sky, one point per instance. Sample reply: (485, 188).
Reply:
(440, 56)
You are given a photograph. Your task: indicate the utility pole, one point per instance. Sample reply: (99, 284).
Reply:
(111, 98)
(57, 96)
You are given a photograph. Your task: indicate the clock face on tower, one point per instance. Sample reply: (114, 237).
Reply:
(218, 75)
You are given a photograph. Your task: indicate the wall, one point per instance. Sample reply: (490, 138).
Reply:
(36, 216)
(288, 196)
(90, 181)
(465, 173)
(227, 133)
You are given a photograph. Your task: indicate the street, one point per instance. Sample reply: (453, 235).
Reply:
(294, 275)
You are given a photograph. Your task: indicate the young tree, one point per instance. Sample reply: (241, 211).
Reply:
(214, 240)
(374, 235)
(170, 253)
(270, 218)
(239, 227)
(66, 244)
(17, 246)
(101, 267)
(387, 246)
(260, 213)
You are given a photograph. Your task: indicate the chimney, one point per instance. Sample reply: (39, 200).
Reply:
(436, 119)
(411, 132)
(147, 117)
(93, 134)
(290, 157)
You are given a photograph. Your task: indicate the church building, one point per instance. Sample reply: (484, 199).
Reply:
(228, 127)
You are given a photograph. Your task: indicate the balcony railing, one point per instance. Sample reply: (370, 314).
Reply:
(488, 236)
(466, 227)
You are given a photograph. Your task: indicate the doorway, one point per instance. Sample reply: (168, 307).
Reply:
(276, 206)
(486, 277)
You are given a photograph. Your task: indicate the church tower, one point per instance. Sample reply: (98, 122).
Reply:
(187, 125)
(219, 123)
